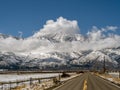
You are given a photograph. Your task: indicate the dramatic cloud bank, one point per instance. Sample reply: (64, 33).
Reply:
(62, 25)
(47, 39)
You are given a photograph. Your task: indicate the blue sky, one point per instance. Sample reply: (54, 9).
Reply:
(28, 16)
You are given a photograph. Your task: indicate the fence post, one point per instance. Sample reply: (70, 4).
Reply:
(10, 85)
(59, 77)
(30, 81)
(39, 81)
(2, 86)
(16, 83)
(55, 80)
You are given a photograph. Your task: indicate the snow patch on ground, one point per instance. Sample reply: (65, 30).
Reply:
(114, 74)
(14, 77)
(111, 78)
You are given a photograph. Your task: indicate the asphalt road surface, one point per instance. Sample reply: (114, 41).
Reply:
(88, 81)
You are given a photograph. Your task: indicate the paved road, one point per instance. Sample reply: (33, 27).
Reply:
(88, 81)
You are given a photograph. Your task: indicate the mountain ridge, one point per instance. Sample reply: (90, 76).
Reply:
(60, 43)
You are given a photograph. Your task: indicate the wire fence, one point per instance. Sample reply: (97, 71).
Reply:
(31, 82)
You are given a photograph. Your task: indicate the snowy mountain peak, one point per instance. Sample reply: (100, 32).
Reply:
(60, 43)
(4, 36)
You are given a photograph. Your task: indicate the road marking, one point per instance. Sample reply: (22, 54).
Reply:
(66, 82)
(85, 85)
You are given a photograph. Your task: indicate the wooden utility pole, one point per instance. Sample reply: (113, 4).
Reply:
(104, 66)
(95, 64)
(119, 68)
(119, 73)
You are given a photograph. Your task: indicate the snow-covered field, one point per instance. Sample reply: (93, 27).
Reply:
(14, 77)
(114, 74)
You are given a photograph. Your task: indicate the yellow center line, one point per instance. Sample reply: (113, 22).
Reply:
(85, 85)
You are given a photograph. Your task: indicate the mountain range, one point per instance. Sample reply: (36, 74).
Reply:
(60, 56)
(59, 45)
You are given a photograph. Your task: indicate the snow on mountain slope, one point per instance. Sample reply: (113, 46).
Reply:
(3, 36)
(60, 43)
(98, 56)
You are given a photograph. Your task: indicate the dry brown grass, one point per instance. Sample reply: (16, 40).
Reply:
(35, 86)
(19, 87)
(116, 80)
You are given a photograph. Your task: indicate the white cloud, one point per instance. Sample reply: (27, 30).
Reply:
(99, 40)
(20, 34)
(96, 39)
(109, 28)
(95, 34)
(62, 25)
(112, 28)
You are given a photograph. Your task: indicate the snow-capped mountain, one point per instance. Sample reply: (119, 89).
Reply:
(60, 44)
(3, 36)
(59, 57)
(60, 37)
